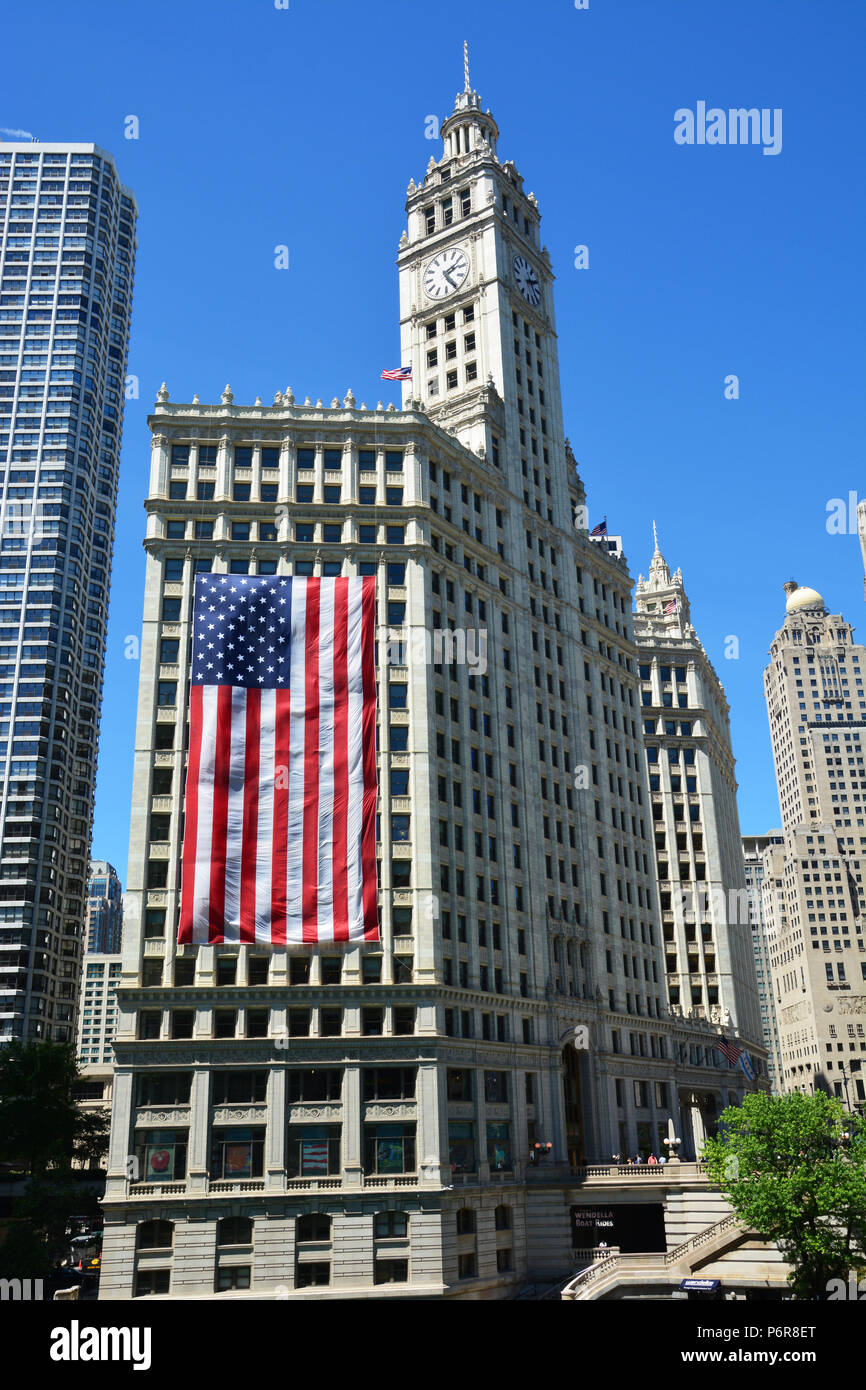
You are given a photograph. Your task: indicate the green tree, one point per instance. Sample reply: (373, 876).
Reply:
(793, 1168)
(41, 1126)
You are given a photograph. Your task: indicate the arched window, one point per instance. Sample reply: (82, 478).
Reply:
(154, 1235)
(465, 1221)
(390, 1224)
(235, 1230)
(502, 1218)
(314, 1226)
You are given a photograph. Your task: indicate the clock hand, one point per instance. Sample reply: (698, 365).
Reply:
(446, 276)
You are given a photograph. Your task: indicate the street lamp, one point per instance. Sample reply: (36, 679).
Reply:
(539, 1151)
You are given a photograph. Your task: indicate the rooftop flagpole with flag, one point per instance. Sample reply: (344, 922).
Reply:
(280, 811)
(600, 529)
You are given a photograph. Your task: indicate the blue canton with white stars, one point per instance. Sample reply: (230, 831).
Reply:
(243, 631)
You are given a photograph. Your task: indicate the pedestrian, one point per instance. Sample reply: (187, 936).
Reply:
(663, 1160)
(652, 1161)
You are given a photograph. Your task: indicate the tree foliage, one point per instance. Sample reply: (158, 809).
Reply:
(793, 1168)
(41, 1126)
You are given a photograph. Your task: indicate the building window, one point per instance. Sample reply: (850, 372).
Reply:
(467, 1265)
(237, 1153)
(459, 1082)
(499, 1147)
(314, 1228)
(161, 1154)
(235, 1230)
(372, 1022)
(496, 1087)
(389, 1148)
(311, 1274)
(151, 1281)
(465, 1221)
(154, 1235)
(390, 1225)
(232, 1277)
(239, 1087)
(389, 1083)
(164, 1088)
(314, 1084)
(391, 1272)
(313, 1151)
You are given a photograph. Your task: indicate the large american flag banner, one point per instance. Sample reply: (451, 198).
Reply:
(280, 830)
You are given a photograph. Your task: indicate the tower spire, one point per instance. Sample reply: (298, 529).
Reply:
(656, 539)
(466, 84)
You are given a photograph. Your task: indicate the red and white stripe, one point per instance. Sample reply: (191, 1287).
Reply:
(280, 832)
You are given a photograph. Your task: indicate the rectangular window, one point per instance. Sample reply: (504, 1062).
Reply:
(239, 1087)
(391, 1272)
(461, 1146)
(238, 1152)
(161, 1154)
(389, 1083)
(314, 1084)
(499, 1147)
(389, 1148)
(496, 1087)
(313, 1151)
(232, 1277)
(312, 1274)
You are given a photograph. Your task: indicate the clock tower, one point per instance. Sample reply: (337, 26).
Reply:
(476, 310)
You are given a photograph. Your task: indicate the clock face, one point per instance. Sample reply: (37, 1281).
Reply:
(527, 281)
(446, 273)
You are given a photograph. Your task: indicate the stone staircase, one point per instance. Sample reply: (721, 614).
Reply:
(667, 1267)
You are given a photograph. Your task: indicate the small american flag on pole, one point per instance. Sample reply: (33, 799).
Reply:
(729, 1049)
(280, 830)
(397, 374)
(672, 606)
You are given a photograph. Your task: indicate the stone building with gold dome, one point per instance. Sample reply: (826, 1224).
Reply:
(814, 902)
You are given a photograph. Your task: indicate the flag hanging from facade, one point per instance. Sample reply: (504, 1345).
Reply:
(397, 374)
(280, 830)
(729, 1049)
(672, 606)
(746, 1064)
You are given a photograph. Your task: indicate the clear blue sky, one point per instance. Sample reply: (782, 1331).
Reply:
(302, 127)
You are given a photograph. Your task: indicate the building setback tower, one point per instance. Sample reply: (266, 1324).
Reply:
(66, 265)
(705, 906)
(813, 883)
(409, 1112)
(754, 850)
(104, 909)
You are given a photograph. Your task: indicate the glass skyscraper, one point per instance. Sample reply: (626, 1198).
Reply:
(67, 251)
(104, 909)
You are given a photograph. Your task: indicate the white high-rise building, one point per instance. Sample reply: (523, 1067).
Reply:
(754, 849)
(693, 792)
(813, 895)
(67, 253)
(409, 1113)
